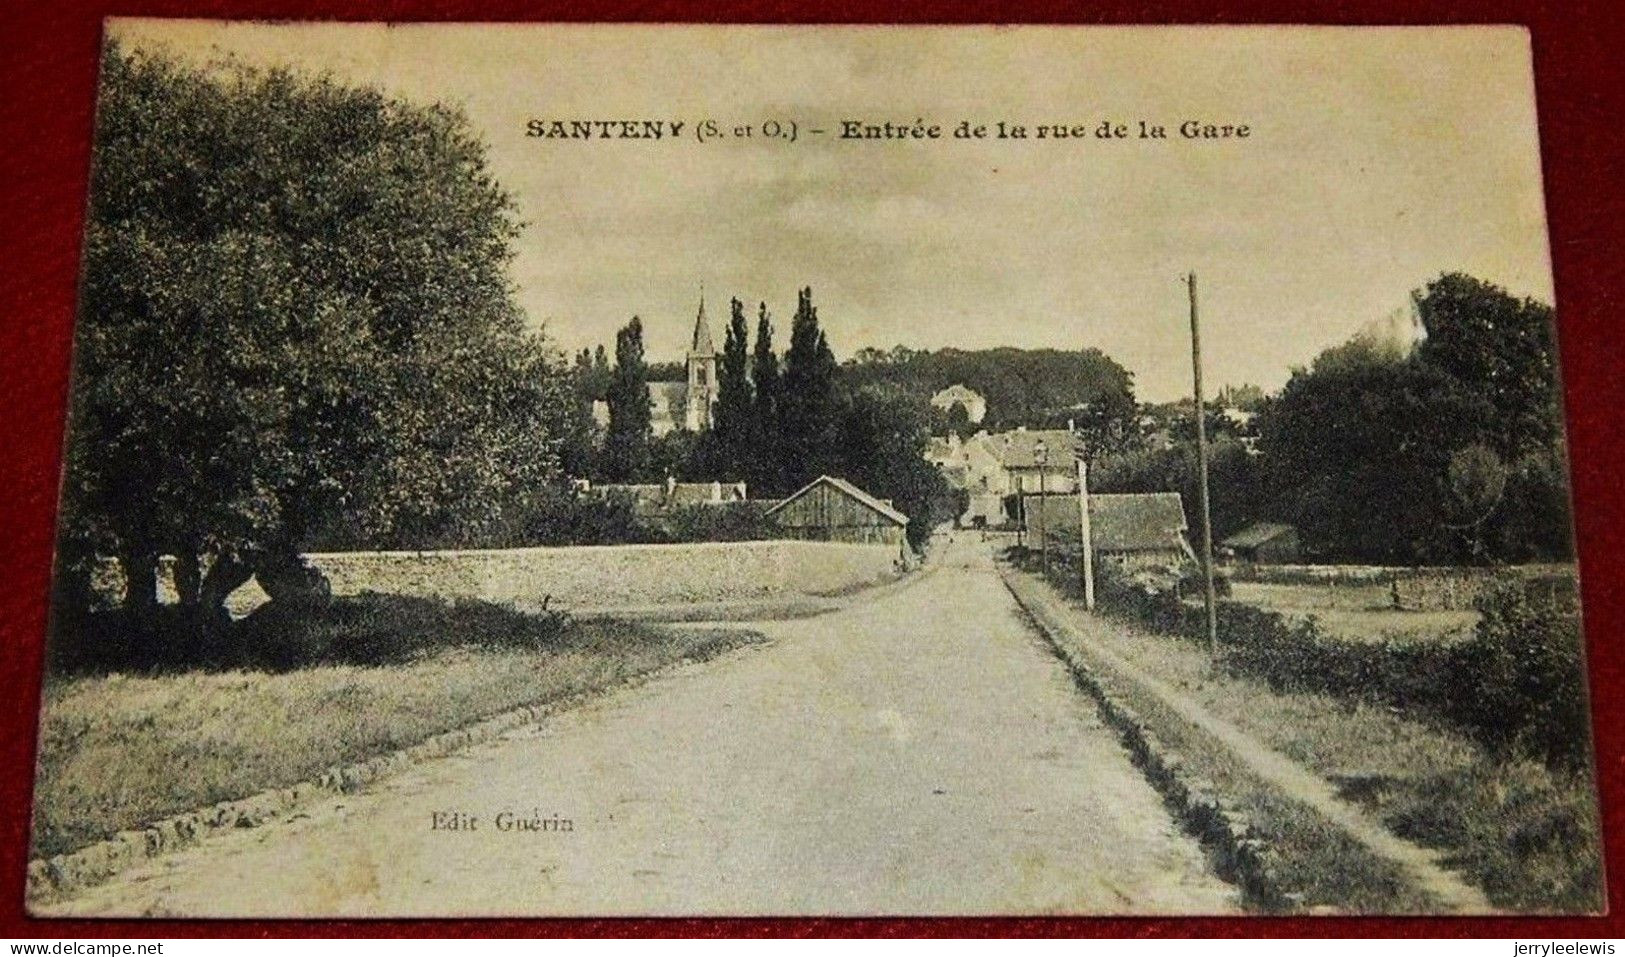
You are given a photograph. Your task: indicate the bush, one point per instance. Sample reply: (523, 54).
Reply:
(728, 522)
(367, 629)
(1527, 682)
(1518, 685)
(374, 629)
(1191, 582)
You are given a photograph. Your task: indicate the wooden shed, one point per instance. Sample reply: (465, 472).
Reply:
(1262, 543)
(830, 509)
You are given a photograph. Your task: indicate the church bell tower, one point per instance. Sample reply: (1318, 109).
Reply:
(702, 374)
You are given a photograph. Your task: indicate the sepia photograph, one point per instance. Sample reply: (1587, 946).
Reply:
(522, 470)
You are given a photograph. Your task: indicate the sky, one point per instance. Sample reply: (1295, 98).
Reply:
(1377, 158)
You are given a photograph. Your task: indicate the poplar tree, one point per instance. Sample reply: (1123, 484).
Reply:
(809, 414)
(735, 400)
(763, 444)
(626, 446)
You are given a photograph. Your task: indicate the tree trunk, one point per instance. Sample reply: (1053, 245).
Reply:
(223, 578)
(286, 577)
(140, 581)
(188, 577)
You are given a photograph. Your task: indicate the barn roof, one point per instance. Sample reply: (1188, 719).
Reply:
(1149, 521)
(851, 491)
(1256, 534)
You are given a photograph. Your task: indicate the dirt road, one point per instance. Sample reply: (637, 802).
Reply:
(920, 753)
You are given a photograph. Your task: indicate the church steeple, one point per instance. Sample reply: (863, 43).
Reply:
(702, 374)
(701, 345)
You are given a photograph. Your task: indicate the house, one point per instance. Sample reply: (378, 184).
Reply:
(830, 509)
(658, 498)
(1039, 460)
(967, 398)
(1261, 543)
(947, 453)
(1139, 529)
(1004, 464)
(944, 451)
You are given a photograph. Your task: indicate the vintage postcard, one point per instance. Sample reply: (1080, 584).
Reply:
(706, 470)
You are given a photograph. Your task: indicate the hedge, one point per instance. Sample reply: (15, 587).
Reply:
(1517, 685)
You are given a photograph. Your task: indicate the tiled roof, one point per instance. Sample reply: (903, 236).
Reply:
(852, 491)
(1136, 522)
(654, 496)
(1256, 534)
(1017, 450)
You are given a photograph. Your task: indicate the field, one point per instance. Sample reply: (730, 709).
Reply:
(120, 750)
(1361, 612)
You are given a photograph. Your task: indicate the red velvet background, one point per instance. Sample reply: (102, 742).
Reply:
(47, 78)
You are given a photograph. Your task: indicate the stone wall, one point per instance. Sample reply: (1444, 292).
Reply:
(1436, 588)
(585, 577)
(1447, 590)
(599, 576)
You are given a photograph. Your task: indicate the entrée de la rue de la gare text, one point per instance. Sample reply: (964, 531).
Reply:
(886, 131)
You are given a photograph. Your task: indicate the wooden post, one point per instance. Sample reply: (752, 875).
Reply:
(1043, 532)
(1021, 509)
(1209, 599)
(1086, 535)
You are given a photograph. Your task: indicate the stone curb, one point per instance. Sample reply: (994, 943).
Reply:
(64, 874)
(1239, 852)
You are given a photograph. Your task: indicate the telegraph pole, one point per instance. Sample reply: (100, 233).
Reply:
(1208, 597)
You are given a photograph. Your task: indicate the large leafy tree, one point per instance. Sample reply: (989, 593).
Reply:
(1503, 348)
(1359, 452)
(295, 316)
(1451, 453)
(883, 433)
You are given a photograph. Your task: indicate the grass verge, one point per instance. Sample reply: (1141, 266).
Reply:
(119, 750)
(1526, 833)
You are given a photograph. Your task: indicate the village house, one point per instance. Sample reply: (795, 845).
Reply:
(947, 453)
(994, 467)
(967, 398)
(658, 498)
(830, 509)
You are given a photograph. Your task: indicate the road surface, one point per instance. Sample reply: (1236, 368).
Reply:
(918, 753)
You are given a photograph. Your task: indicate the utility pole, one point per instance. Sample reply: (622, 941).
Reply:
(1086, 535)
(1209, 600)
